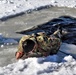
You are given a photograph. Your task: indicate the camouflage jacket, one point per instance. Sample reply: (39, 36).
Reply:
(44, 45)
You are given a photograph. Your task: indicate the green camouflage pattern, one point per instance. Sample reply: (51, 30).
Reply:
(20, 48)
(45, 45)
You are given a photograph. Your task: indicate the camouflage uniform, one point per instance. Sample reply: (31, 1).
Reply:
(43, 45)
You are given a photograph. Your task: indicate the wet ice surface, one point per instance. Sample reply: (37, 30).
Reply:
(7, 54)
(26, 21)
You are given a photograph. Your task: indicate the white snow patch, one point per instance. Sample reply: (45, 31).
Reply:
(13, 7)
(2, 46)
(41, 66)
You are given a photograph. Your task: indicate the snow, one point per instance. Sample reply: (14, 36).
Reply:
(37, 66)
(13, 7)
(41, 66)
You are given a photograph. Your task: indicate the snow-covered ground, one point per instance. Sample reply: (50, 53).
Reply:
(37, 66)
(13, 7)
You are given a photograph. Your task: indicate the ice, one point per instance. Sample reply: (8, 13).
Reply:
(7, 41)
(10, 41)
(69, 49)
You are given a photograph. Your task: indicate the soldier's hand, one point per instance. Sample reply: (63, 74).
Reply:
(19, 54)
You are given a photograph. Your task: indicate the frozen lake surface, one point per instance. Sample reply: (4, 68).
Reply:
(9, 39)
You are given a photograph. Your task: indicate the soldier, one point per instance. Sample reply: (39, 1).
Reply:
(39, 45)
